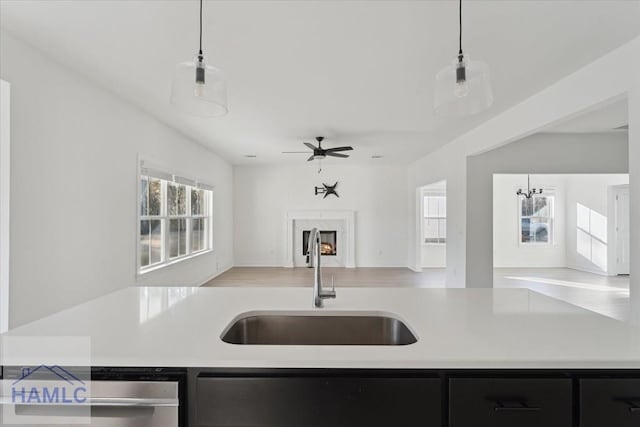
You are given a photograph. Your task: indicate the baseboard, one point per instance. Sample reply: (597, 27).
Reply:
(587, 270)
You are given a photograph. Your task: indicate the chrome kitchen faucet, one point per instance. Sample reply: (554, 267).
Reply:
(314, 251)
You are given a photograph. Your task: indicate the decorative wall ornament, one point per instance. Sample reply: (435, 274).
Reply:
(327, 189)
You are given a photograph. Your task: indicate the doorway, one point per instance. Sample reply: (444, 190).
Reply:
(433, 227)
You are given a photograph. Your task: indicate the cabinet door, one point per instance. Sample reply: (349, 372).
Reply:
(510, 402)
(317, 402)
(606, 402)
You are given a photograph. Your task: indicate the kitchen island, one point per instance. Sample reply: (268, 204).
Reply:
(480, 354)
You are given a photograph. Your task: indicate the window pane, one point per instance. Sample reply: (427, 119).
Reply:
(196, 233)
(443, 229)
(205, 242)
(431, 228)
(196, 201)
(174, 237)
(433, 206)
(144, 243)
(442, 206)
(172, 199)
(182, 200)
(527, 206)
(539, 230)
(177, 237)
(144, 197)
(182, 249)
(526, 228)
(155, 197)
(541, 206)
(177, 199)
(156, 240)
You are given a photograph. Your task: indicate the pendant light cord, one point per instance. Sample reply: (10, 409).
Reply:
(200, 51)
(460, 33)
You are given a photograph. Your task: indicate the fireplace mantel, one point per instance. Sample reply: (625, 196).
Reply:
(347, 217)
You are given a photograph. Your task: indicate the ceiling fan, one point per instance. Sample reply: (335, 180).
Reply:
(320, 153)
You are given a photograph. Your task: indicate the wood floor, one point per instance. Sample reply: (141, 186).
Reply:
(605, 295)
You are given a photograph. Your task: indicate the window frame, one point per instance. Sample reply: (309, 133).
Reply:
(425, 216)
(165, 219)
(549, 194)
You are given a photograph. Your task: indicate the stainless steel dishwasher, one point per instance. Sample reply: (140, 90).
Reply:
(113, 403)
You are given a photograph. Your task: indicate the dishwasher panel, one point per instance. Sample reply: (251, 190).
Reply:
(113, 404)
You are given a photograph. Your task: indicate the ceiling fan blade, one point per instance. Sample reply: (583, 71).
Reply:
(310, 158)
(337, 155)
(310, 145)
(340, 149)
(295, 152)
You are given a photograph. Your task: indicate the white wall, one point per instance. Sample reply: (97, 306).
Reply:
(508, 252)
(5, 188)
(592, 193)
(73, 187)
(264, 194)
(634, 187)
(585, 90)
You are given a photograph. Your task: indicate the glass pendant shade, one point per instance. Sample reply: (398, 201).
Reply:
(463, 88)
(199, 89)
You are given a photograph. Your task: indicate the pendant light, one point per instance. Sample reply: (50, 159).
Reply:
(530, 191)
(199, 88)
(464, 87)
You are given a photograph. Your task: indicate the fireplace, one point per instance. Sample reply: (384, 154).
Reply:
(337, 231)
(328, 242)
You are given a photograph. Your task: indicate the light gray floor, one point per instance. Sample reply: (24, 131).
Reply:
(605, 295)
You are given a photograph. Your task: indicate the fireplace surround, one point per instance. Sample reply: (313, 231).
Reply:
(342, 222)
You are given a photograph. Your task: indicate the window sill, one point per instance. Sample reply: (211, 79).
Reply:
(153, 268)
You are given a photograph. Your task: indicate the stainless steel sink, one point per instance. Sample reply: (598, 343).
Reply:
(329, 329)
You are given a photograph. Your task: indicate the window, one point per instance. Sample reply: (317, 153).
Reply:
(175, 219)
(536, 219)
(435, 219)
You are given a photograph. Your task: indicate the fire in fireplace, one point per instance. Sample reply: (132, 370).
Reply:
(328, 240)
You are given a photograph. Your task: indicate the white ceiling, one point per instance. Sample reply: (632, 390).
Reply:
(358, 72)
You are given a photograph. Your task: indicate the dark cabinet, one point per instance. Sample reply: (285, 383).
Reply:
(606, 402)
(318, 402)
(510, 402)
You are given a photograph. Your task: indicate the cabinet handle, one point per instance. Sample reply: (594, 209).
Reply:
(514, 406)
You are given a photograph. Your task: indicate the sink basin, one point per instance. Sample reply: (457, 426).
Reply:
(325, 329)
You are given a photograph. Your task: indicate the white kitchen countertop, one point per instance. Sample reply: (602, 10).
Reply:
(456, 329)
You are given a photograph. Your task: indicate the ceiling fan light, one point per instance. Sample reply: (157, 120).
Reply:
(463, 88)
(199, 88)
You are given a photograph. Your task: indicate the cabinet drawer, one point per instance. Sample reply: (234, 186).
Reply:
(606, 402)
(509, 402)
(317, 402)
